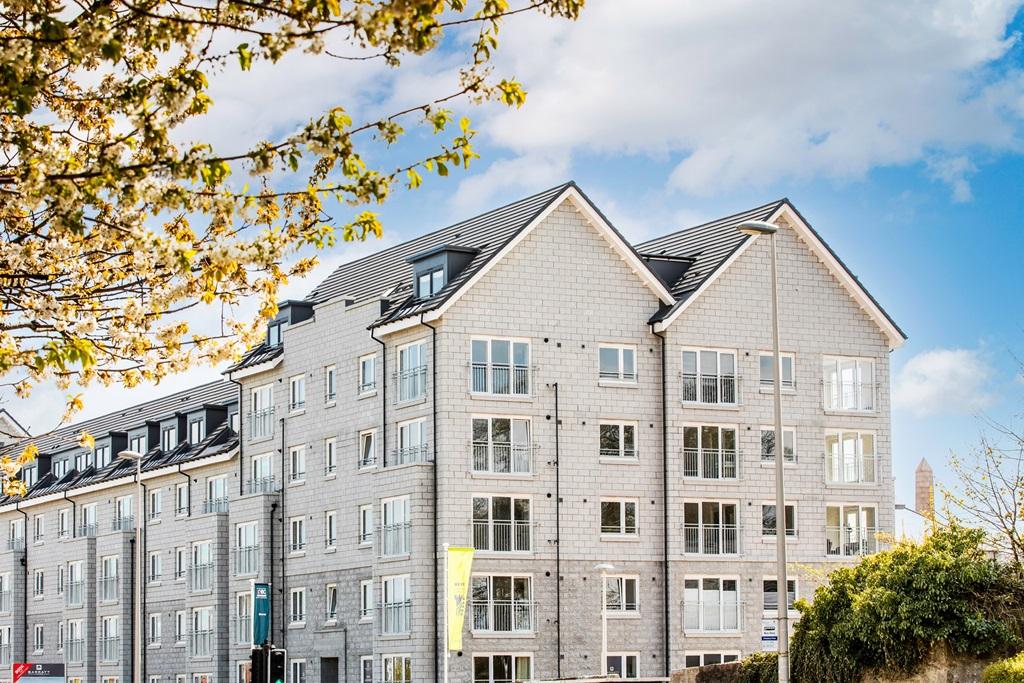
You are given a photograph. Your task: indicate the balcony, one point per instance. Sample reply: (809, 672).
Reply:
(110, 649)
(711, 539)
(108, 588)
(710, 389)
(16, 543)
(241, 630)
(502, 458)
(394, 539)
(266, 484)
(88, 530)
(723, 615)
(504, 379)
(409, 455)
(711, 463)
(396, 618)
(200, 577)
(850, 541)
(850, 469)
(502, 536)
(201, 643)
(412, 384)
(247, 560)
(849, 396)
(215, 505)
(5, 602)
(261, 423)
(123, 523)
(73, 594)
(504, 616)
(74, 651)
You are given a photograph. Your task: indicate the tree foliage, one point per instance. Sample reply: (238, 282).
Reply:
(114, 225)
(889, 611)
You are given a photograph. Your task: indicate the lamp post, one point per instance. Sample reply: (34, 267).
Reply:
(136, 457)
(604, 568)
(759, 228)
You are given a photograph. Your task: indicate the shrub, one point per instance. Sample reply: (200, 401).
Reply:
(1007, 671)
(757, 668)
(889, 611)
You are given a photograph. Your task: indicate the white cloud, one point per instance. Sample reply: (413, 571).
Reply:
(944, 381)
(752, 93)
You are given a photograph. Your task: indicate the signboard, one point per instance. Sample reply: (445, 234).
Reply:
(37, 673)
(769, 635)
(260, 613)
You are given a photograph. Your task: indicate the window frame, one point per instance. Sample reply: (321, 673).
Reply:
(366, 531)
(621, 454)
(297, 598)
(623, 531)
(768, 459)
(833, 400)
(766, 532)
(624, 658)
(364, 388)
(719, 376)
(488, 366)
(363, 462)
(367, 600)
(701, 610)
(796, 594)
(769, 383)
(330, 383)
(624, 609)
(297, 393)
(621, 376)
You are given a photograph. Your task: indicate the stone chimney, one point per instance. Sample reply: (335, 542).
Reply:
(924, 489)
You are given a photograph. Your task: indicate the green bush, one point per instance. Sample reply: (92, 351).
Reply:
(757, 668)
(890, 610)
(1006, 671)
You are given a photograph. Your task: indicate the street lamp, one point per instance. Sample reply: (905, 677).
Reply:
(604, 568)
(136, 457)
(756, 229)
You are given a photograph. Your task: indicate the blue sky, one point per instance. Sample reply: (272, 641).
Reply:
(895, 128)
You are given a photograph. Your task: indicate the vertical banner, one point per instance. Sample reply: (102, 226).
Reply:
(260, 613)
(460, 564)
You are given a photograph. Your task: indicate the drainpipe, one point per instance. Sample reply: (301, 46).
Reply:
(273, 508)
(241, 460)
(284, 555)
(665, 502)
(131, 584)
(24, 585)
(144, 547)
(383, 392)
(74, 514)
(344, 653)
(433, 429)
(188, 478)
(558, 539)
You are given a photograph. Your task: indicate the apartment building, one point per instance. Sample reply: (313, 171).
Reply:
(594, 417)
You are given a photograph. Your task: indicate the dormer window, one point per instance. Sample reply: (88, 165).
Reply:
(274, 333)
(430, 283)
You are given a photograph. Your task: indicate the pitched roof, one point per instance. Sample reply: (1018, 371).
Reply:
(709, 245)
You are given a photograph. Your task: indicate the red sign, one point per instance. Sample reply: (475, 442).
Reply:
(18, 669)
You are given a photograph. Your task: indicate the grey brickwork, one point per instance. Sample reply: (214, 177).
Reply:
(565, 289)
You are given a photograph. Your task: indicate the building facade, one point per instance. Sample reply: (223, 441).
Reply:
(593, 417)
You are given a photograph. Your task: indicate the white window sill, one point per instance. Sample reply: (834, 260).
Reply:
(365, 620)
(153, 646)
(623, 614)
(518, 476)
(366, 468)
(771, 463)
(153, 521)
(621, 538)
(37, 598)
(297, 411)
(790, 538)
(511, 635)
(713, 634)
(713, 480)
(617, 460)
(330, 403)
(393, 558)
(366, 394)
(331, 549)
(623, 383)
(331, 475)
(521, 398)
(850, 413)
(411, 402)
(296, 482)
(395, 636)
(507, 554)
(297, 553)
(330, 622)
(711, 406)
(769, 389)
(296, 624)
(851, 484)
(180, 643)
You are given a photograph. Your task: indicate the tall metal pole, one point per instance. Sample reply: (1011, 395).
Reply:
(140, 566)
(445, 607)
(604, 623)
(782, 582)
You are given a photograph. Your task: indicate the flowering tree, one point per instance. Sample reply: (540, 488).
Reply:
(114, 227)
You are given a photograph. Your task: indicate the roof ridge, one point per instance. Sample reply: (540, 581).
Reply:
(720, 219)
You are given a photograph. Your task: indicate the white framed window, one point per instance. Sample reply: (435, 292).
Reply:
(330, 528)
(622, 664)
(179, 678)
(502, 668)
(297, 463)
(296, 393)
(710, 452)
(261, 416)
(500, 367)
(89, 526)
(396, 605)
(16, 533)
(711, 604)
(696, 659)
(366, 601)
(180, 626)
(297, 534)
(156, 504)
(60, 468)
(711, 527)
(331, 602)
(850, 530)
(202, 566)
(365, 524)
(502, 604)
(412, 371)
(330, 456)
(154, 629)
(109, 578)
(368, 373)
(102, 454)
(247, 545)
(769, 519)
(766, 365)
(330, 383)
(709, 377)
(395, 526)
(849, 384)
(38, 637)
(196, 430)
(429, 283)
(412, 443)
(617, 362)
(39, 583)
(168, 438)
(502, 445)
(367, 448)
(61, 578)
(216, 494)
(202, 633)
(261, 473)
(243, 619)
(297, 668)
(770, 594)
(124, 513)
(297, 606)
(617, 440)
(768, 444)
(850, 457)
(39, 528)
(181, 500)
(620, 595)
(76, 587)
(64, 522)
(110, 639)
(366, 669)
(396, 668)
(502, 524)
(156, 566)
(618, 517)
(60, 636)
(180, 563)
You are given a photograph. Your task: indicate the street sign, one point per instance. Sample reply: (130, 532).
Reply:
(261, 614)
(37, 673)
(769, 635)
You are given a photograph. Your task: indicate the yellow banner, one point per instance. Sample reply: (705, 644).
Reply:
(460, 564)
